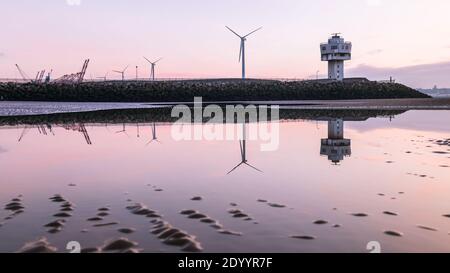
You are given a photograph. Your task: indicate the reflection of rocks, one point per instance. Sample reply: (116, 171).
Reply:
(336, 147)
(168, 234)
(39, 246)
(65, 207)
(303, 237)
(360, 214)
(121, 245)
(15, 207)
(426, 228)
(393, 233)
(193, 214)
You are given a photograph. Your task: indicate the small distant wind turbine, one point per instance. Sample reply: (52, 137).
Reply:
(104, 78)
(122, 72)
(242, 50)
(152, 68)
(244, 161)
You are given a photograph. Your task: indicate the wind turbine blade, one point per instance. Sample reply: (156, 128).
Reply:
(147, 59)
(253, 167)
(158, 60)
(117, 71)
(242, 151)
(237, 166)
(252, 32)
(126, 68)
(233, 32)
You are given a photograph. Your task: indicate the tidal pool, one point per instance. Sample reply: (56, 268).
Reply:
(336, 182)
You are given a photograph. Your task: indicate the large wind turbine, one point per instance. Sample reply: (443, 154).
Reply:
(122, 72)
(152, 69)
(242, 50)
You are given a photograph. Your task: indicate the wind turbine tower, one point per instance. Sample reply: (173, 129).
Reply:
(242, 49)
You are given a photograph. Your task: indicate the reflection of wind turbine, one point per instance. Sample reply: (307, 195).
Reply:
(152, 68)
(242, 145)
(122, 72)
(123, 130)
(242, 50)
(154, 137)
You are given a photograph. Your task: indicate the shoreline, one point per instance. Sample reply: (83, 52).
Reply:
(30, 108)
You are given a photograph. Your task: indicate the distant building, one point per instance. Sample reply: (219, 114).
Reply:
(335, 52)
(335, 147)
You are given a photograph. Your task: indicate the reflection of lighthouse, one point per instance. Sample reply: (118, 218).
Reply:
(336, 147)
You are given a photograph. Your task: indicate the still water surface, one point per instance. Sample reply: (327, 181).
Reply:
(396, 164)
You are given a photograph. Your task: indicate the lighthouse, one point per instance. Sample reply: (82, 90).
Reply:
(335, 52)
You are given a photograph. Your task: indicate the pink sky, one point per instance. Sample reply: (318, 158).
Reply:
(396, 37)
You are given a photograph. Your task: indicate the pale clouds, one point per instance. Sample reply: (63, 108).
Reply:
(375, 52)
(417, 76)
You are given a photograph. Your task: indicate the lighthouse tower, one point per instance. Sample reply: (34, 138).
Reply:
(335, 52)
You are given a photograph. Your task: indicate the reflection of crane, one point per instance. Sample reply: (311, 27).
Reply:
(42, 129)
(24, 131)
(79, 128)
(154, 137)
(85, 134)
(242, 145)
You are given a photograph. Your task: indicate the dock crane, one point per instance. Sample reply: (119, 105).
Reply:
(22, 74)
(39, 76)
(74, 78)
